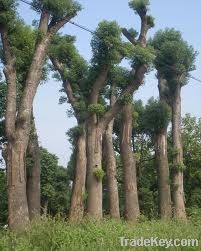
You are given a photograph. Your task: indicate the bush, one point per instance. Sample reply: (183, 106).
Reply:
(56, 234)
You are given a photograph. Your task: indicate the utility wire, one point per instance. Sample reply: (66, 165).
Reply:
(93, 32)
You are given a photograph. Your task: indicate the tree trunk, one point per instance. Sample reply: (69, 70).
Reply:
(165, 209)
(94, 164)
(77, 200)
(111, 172)
(17, 197)
(129, 166)
(33, 174)
(178, 187)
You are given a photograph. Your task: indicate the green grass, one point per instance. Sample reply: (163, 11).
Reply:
(52, 234)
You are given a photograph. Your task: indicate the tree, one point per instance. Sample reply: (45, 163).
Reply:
(55, 185)
(53, 16)
(156, 119)
(109, 156)
(174, 60)
(191, 137)
(73, 71)
(33, 173)
(130, 181)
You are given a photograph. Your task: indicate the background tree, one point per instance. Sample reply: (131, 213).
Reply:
(174, 61)
(156, 119)
(73, 71)
(55, 185)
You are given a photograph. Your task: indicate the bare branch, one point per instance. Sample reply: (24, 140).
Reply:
(130, 38)
(66, 84)
(54, 27)
(10, 75)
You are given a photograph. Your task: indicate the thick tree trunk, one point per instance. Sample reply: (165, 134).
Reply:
(111, 172)
(33, 174)
(16, 174)
(165, 209)
(129, 166)
(77, 200)
(178, 187)
(94, 163)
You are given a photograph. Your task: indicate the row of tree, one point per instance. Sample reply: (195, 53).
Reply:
(101, 98)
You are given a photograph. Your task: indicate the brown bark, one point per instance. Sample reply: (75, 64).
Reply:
(161, 156)
(33, 174)
(165, 209)
(178, 187)
(129, 166)
(77, 200)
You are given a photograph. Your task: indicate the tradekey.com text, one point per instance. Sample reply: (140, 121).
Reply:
(156, 242)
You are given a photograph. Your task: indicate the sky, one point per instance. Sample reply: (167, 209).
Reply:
(51, 118)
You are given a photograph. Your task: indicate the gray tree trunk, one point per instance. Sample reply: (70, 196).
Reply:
(178, 186)
(33, 174)
(111, 172)
(132, 210)
(94, 163)
(77, 200)
(165, 207)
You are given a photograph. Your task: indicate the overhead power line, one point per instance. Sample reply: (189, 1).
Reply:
(93, 32)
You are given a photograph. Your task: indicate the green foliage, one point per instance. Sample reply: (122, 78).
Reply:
(3, 89)
(99, 174)
(74, 133)
(151, 21)
(191, 137)
(57, 8)
(54, 184)
(140, 55)
(107, 45)
(97, 109)
(139, 6)
(23, 43)
(119, 76)
(126, 99)
(57, 234)
(3, 198)
(174, 57)
(7, 14)
(156, 116)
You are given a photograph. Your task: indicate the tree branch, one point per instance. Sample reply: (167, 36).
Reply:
(66, 84)
(133, 86)
(130, 38)
(44, 21)
(55, 26)
(10, 75)
(98, 84)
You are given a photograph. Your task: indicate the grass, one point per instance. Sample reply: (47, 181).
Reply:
(56, 234)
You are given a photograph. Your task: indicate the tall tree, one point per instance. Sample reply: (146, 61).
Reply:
(109, 158)
(53, 16)
(73, 71)
(174, 60)
(129, 164)
(156, 119)
(33, 173)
